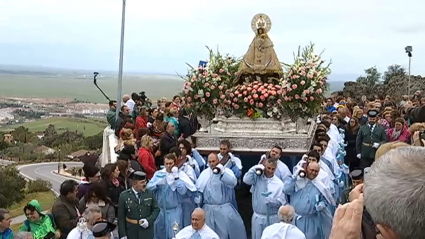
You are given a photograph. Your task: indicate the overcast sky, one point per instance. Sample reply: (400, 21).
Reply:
(162, 35)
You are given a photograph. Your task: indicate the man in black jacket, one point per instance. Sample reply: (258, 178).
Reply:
(185, 127)
(168, 140)
(123, 115)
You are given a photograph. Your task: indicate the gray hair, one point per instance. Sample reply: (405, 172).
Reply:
(90, 211)
(394, 191)
(2, 213)
(286, 214)
(23, 235)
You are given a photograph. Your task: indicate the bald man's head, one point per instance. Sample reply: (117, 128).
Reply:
(125, 98)
(286, 213)
(198, 218)
(313, 169)
(213, 160)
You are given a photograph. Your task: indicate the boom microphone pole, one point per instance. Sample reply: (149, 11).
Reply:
(95, 83)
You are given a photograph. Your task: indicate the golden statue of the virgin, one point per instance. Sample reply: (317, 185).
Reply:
(260, 62)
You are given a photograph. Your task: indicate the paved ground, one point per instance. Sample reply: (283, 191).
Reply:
(6, 162)
(43, 171)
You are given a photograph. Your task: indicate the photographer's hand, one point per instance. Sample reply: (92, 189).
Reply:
(416, 139)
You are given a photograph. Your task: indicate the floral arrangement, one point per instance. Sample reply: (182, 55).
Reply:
(204, 85)
(255, 100)
(299, 94)
(305, 84)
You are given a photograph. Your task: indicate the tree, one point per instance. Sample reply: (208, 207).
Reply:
(94, 142)
(23, 135)
(13, 186)
(50, 135)
(372, 77)
(394, 71)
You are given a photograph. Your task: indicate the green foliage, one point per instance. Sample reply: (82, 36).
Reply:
(372, 78)
(23, 135)
(94, 142)
(12, 186)
(38, 186)
(394, 71)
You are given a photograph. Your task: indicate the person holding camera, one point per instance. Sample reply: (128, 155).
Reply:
(267, 195)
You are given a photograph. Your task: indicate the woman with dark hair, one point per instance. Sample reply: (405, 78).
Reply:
(186, 150)
(110, 174)
(97, 196)
(350, 138)
(399, 132)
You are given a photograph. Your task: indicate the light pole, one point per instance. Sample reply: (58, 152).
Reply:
(120, 70)
(409, 54)
(59, 159)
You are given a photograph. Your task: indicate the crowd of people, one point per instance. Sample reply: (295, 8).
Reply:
(161, 187)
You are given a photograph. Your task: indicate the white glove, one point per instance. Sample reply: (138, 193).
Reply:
(375, 145)
(162, 181)
(359, 156)
(297, 171)
(197, 200)
(144, 223)
(123, 237)
(319, 207)
(259, 166)
(268, 200)
(221, 167)
(341, 184)
(149, 124)
(175, 172)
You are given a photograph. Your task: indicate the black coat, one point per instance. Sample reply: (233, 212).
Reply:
(185, 127)
(167, 142)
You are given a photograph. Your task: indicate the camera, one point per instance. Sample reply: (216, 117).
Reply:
(408, 49)
(301, 170)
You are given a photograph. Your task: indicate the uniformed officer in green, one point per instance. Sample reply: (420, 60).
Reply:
(369, 138)
(137, 210)
(356, 178)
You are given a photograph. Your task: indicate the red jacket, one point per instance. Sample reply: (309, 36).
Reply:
(147, 160)
(404, 135)
(141, 122)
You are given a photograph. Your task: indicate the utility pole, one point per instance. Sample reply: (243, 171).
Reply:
(120, 70)
(409, 50)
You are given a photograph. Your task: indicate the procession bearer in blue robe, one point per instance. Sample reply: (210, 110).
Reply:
(267, 195)
(216, 186)
(170, 187)
(311, 201)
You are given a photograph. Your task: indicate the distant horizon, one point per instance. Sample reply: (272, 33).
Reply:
(42, 69)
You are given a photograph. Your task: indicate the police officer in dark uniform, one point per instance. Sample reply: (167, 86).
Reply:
(369, 138)
(137, 210)
(356, 178)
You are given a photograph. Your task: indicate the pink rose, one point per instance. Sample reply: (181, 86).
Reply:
(207, 84)
(248, 88)
(236, 106)
(244, 93)
(289, 90)
(294, 86)
(319, 91)
(251, 101)
(203, 100)
(279, 101)
(254, 91)
(194, 78)
(249, 97)
(245, 99)
(240, 95)
(212, 87)
(297, 96)
(220, 87)
(189, 99)
(286, 98)
(208, 94)
(235, 99)
(307, 92)
(279, 92)
(189, 84)
(273, 92)
(310, 76)
(236, 92)
(221, 71)
(266, 95)
(255, 96)
(305, 99)
(223, 96)
(311, 98)
(232, 95)
(215, 101)
(260, 105)
(262, 98)
(302, 82)
(255, 87)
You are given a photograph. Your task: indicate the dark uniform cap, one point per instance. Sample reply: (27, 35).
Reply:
(356, 174)
(138, 175)
(101, 229)
(372, 113)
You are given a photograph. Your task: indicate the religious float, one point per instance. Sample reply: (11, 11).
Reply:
(257, 101)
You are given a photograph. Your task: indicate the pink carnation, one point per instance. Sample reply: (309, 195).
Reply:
(305, 99)
(297, 96)
(188, 99)
(260, 105)
(318, 91)
(221, 71)
(208, 94)
(245, 99)
(203, 100)
(311, 98)
(251, 101)
(302, 82)
(294, 86)
(215, 101)
(220, 87)
(255, 96)
(236, 106)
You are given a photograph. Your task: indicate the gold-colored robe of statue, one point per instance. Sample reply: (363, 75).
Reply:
(260, 60)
